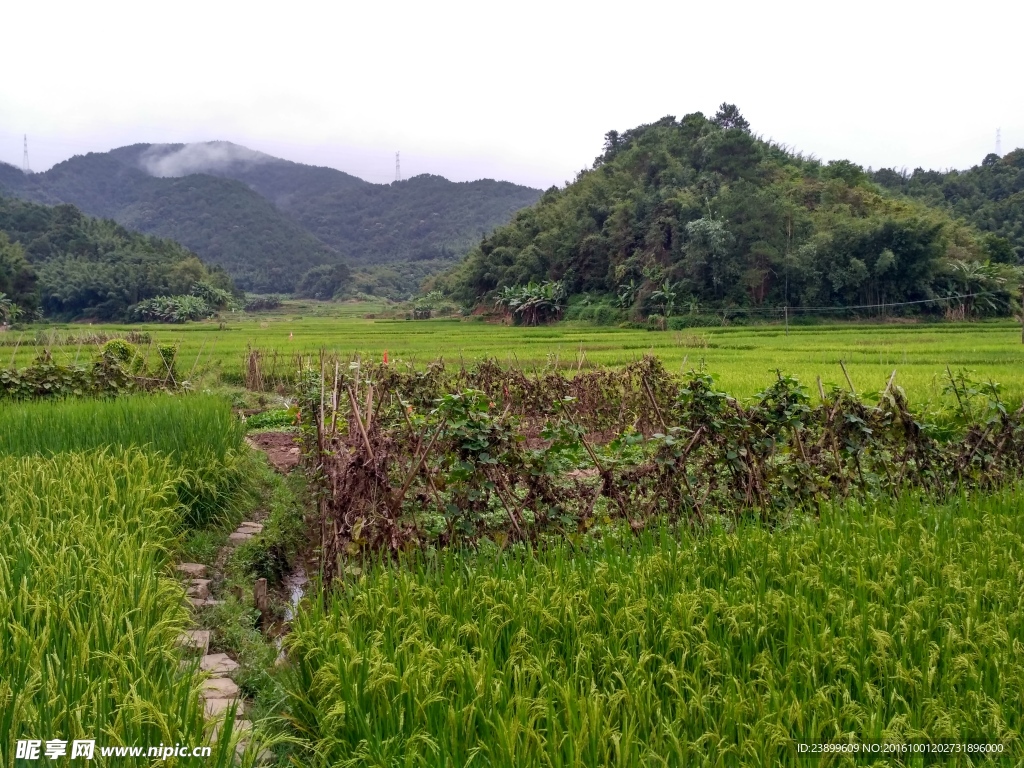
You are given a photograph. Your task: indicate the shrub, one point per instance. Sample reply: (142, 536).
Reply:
(269, 419)
(262, 303)
(171, 309)
(598, 313)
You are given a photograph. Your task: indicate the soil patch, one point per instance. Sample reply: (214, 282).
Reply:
(280, 448)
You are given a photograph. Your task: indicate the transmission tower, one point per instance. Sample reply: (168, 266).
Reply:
(398, 168)
(24, 158)
(999, 142)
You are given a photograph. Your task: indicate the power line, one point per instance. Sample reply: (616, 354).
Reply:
(887, 305)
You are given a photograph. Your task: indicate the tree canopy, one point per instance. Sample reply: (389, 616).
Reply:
(989, 195)
(71, 265)
(700, 212)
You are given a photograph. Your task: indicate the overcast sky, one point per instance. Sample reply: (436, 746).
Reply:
(523, 91)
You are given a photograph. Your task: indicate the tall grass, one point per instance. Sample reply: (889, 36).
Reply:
(197, 433)
(896, 623)
(88, 616)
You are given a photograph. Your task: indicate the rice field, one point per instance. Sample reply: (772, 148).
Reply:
(93, 500)
(896, 624)
(197, 433)
(891, 622)
(744, 359)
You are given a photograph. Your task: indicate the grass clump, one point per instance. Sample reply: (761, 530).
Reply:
(889, 622)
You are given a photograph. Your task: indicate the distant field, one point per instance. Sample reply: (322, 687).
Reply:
(744, 359)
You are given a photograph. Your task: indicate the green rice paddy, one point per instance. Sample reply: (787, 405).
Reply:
(889, 625)
(744, 359)
(94, 497)
(895, 622)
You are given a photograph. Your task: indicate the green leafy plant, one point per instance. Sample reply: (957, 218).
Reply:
(171, 309)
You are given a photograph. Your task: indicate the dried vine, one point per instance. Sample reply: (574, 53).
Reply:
(442, 457)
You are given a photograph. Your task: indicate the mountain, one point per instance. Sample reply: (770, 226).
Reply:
(425, 217)
(267, 220)
(221, 219)
(990, 196)
(71, 265)
(699, 212)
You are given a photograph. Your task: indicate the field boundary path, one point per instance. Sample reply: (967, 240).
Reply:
(219, 692)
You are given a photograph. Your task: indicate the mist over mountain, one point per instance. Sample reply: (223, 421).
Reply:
(266, 220)
(213, 157)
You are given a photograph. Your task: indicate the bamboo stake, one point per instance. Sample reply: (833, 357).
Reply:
(359, 422)
(888, 386)
(15, 352)
(334, 401)
(369, 405)
(848, 379)
(200, 354)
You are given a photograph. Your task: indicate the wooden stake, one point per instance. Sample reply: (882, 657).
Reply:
(359, 422)
(889, 385)
(848, 380)
(15, 352)
(334, 401)
(259, 594)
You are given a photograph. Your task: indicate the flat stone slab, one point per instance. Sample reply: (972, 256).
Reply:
(240, 726)
(250, 528)
(218, 663)
(199, 588)
(264, 757)
(220, 707)
(199, 602)
(195, 640)
(192, 570)
(237, 538)
(220, 688)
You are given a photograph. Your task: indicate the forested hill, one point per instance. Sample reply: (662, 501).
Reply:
(222, 220)
(268, 220)
(990, 196)
(71, 266)
(698, 212)
(425, 217)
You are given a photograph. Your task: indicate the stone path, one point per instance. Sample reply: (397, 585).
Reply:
(244, 532)
(219, 691)
(198, 589)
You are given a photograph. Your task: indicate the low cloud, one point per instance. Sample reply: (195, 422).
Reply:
(165, 160)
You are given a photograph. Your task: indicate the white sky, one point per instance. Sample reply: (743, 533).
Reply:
(523, 91)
